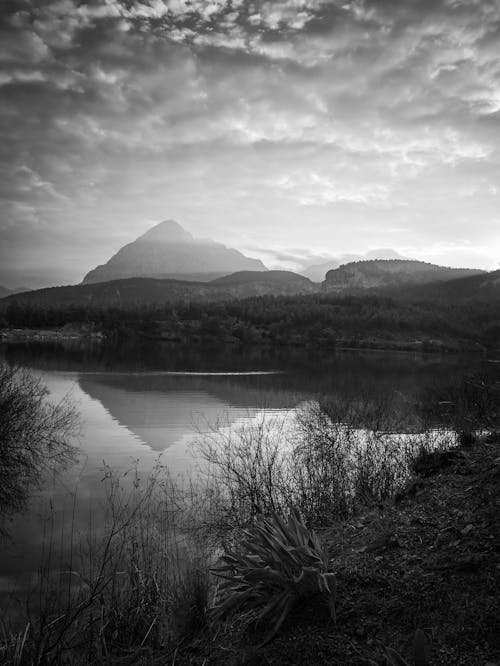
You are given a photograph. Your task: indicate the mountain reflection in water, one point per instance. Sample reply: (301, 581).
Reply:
(137, 401)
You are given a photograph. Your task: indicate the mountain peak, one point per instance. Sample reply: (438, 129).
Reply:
(168, 231)
(169, 251)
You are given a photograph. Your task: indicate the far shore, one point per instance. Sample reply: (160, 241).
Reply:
(48, 334)
(68, 333)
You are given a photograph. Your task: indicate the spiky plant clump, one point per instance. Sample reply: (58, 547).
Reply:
(279, 562)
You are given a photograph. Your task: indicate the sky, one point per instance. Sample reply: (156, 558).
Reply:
(292, 130)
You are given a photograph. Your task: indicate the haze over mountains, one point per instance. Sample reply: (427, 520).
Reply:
(4, 292)
(403, 280)
(169, 251)
(167, 264)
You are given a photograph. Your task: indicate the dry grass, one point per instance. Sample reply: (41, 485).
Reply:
(137, 585)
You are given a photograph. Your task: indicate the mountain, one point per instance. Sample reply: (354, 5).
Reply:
(169, 251)
(137, 292)
(479, 287)
(4, 292)
(377, 274)
(255, 283)
(317, 272)
(126, 293)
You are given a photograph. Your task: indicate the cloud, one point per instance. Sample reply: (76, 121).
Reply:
(339, 126)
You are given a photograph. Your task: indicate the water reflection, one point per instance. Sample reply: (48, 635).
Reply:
(299, 372)
(162, 409)
(133, 409)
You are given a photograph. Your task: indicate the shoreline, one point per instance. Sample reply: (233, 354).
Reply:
(70, 334)
(14, 335)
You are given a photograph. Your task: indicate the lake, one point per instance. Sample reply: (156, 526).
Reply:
(141, 401)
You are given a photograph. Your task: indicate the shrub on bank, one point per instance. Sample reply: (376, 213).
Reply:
(327, 464)
(35, 436)
(277, 563)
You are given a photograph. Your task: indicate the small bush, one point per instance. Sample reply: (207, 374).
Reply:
(279, 563)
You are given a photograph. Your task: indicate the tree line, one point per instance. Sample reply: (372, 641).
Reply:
(318, 320)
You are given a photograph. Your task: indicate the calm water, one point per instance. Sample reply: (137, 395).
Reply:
(137, 402)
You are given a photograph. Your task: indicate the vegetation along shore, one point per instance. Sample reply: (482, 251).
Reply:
(314, 320)
(328, 544)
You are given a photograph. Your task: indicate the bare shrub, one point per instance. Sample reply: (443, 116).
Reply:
(246, 469)
(326, 462)
(341, 463)
(35, 436)
(469, 404)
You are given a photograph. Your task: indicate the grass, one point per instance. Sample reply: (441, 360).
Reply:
(139, 584)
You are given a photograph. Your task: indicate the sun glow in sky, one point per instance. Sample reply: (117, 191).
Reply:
(292, 130)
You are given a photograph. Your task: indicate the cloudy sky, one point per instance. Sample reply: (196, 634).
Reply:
(290, 129)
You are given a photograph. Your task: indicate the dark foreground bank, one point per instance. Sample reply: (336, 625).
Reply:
(428, 560)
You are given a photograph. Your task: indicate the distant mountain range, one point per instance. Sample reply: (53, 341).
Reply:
(169, 251)
(167, 264)
(396, 273)
(137, 292)
(400, 279)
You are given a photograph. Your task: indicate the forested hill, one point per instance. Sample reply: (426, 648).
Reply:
(482, 287)
(280, 309)
(377, 274)
(139, 292)
(4, 292)
(243, 283)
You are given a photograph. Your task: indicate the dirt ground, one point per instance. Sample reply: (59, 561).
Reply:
(429, 560)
